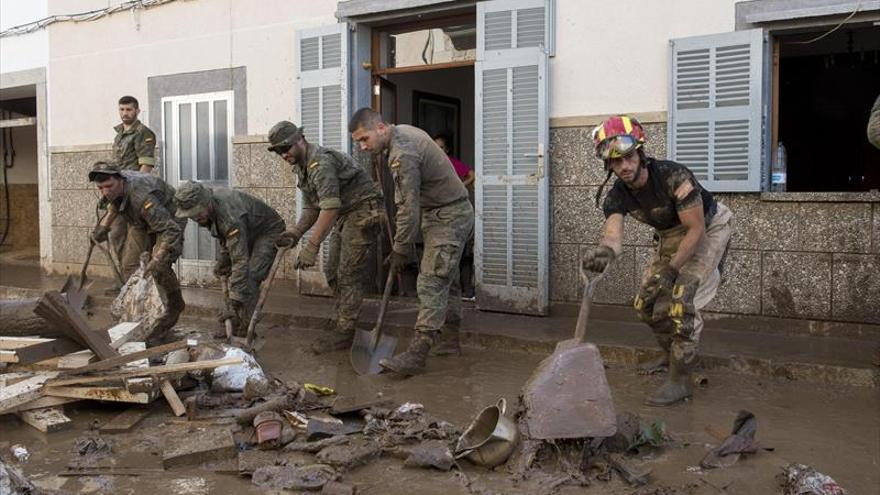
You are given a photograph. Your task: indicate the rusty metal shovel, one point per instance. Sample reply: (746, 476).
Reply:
(227, 323)
(370, 347)
(568, 395)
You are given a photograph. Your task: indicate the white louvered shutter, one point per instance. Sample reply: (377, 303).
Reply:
(716, 108)
(322, 111)
(512, 192)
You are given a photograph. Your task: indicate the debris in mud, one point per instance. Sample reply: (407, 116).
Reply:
(197, 446)
(337, 488)
(92, 445)
(268, 425)
(357, 453)
(687, 489)
(20, 452)
(317, 446)
(431, 454)
(741, 441)
(800, 479)
(232, 378)
(311, 477)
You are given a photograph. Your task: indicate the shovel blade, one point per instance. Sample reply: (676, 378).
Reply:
(76, 291)
(365, 357)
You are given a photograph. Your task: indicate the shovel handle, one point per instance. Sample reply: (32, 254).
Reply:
(267, 284)
(580, 331)
(386, 294)
(85, 267)
(113, 264)
(227, 322)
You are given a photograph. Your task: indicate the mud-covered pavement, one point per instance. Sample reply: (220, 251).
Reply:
(835, 429)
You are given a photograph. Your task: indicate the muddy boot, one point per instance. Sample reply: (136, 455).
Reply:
(335, 338)
(412, 361)
(174, 306)
(678, 385)
(450, 341)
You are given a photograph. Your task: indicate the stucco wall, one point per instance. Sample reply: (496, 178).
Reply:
(26, 51)
(94, 64)
(798, 256)
(614, 57)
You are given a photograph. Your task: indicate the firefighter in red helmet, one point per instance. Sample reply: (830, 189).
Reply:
(692, 231)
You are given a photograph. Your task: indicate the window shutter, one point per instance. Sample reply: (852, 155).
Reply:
(716, 108)
(512, 191)
(322, 111)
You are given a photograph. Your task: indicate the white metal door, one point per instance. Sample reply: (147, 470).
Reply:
(511, 251)
(197, 132)
(322, 110)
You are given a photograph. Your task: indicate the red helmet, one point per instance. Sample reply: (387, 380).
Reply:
(617, 136)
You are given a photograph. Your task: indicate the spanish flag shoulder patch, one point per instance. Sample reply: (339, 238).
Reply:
(395, 163)
(149, 139)
(232, 233)
(148, 205)
(314, 164)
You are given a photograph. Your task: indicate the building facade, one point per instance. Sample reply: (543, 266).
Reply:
(522, 82)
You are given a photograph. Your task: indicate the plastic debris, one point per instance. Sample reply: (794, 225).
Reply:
(139, 300)
(20, 452)
(318, 389)
(741, 441)
(801, 479)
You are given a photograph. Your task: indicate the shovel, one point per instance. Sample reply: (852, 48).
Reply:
(568, 396)
(228, 321)
(264, 292)
(370, 347)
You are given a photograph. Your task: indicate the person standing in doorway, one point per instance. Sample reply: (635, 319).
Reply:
(693, 231)
(466, 174)
(429, 197)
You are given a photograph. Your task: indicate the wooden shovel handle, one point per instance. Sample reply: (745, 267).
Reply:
(264, 292)
(580, 331)
(386, 294)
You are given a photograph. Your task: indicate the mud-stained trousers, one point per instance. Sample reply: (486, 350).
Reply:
(675, 318)
(263, 251)
(127, 242)
(445, 231)
(354, 237)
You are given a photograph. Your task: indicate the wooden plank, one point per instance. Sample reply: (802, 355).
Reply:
(14, 395)
(76, 359)
(171, 396)
(112, 394)
(121, 335)
(153, 371)
(127, 358)
(124, 332)
(126, 420)
(8, 356)
(44, 402)
(45, 350)
(12, 343)
(47, 419)
(54, 306)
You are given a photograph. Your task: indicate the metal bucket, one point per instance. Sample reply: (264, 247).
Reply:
(490, 438)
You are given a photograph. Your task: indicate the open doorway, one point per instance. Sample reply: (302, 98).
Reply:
(19, 195)
(826, 87)
(423, 75)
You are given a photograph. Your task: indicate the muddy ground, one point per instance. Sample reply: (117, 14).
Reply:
(835, 429)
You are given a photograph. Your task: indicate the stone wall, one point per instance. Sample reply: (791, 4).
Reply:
(795, 255)
(73, 201)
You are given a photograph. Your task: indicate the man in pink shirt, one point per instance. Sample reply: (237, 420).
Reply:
(466, 174)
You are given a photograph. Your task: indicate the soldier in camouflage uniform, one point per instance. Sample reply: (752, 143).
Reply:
(145, 205)
(428, 194)
(693, 230)
(133, 149)
(337, 193)
(247, 229)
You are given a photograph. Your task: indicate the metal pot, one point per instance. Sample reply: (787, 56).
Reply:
(490, 438)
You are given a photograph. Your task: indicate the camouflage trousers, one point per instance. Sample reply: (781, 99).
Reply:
(675, 317)
(352, 240)
(445, 231)
(263, 251)
(138, 241)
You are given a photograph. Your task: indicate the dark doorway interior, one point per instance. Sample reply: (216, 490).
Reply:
(826, 91)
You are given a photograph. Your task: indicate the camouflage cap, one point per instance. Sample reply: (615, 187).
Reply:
(190, 198)
(104, 168)
(283, 133)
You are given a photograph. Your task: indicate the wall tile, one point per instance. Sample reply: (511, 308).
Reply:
(856, 288)
(740, 289)
(796, 285)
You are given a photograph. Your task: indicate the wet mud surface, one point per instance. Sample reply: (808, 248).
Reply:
(835, 429)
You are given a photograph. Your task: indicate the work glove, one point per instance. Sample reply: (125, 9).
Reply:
(288, 239)
(396, 262)
(101, 233)
(307, 256)
(223, 267)
(663, 281)
(596, 260)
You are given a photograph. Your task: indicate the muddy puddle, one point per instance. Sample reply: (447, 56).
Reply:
(835, 429)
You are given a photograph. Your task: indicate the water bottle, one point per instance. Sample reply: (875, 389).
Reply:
(778, 170)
